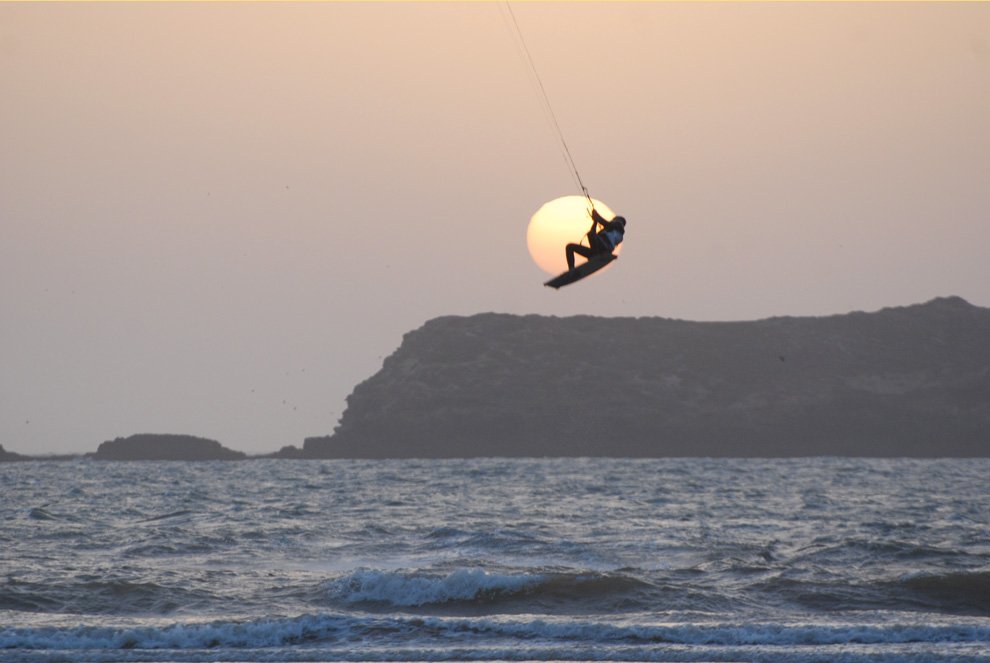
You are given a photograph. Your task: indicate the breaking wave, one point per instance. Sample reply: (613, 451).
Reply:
(432, 638)
(410, 589)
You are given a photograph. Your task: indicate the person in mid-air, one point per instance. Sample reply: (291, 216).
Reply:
(600, 242)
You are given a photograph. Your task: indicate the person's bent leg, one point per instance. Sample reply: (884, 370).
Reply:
(579, 249)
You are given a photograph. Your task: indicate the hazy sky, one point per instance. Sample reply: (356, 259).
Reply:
(216, 219)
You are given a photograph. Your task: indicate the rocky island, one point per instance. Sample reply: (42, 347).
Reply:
(905, 381)
(164, 447)
(10, 456)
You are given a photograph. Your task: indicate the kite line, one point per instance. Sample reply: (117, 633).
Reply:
(548, 107)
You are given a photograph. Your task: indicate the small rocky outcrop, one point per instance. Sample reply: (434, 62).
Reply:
(905, 381)
(10, 456)
(148, 446)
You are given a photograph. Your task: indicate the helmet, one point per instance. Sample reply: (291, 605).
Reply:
(621, 219)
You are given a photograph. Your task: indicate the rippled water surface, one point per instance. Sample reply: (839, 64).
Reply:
(576, 559)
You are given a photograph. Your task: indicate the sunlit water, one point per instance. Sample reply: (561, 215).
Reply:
(588, 559)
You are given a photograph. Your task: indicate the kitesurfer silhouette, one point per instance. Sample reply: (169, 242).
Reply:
(600, 242)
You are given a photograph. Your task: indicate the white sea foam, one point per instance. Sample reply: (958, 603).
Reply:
(331, 629)
(407, 589)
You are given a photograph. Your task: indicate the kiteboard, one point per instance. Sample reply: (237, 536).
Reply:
(593, 264)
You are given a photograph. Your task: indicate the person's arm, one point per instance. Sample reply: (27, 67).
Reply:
(596, 220)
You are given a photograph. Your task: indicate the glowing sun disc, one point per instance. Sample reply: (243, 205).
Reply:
(558, 223)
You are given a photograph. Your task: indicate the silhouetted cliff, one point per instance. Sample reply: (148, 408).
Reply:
(908, 381)
(164, 447)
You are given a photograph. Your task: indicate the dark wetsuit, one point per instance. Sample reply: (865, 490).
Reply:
(600, 241)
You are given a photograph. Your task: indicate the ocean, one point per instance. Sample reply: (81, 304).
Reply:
(799, 560)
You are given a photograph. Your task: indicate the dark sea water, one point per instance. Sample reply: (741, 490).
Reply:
(578, 559)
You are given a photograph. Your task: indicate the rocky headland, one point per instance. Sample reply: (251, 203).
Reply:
(148, 446)
(905, 381)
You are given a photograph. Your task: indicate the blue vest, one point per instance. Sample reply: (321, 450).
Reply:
(611, 238)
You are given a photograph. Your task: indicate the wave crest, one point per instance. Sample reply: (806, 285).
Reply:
(416, 590)
(411, 589)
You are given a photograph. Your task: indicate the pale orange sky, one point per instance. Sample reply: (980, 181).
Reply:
(218, 218)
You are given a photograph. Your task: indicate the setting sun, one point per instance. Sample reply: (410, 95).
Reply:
(558, 223)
